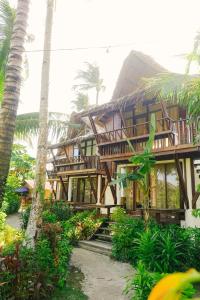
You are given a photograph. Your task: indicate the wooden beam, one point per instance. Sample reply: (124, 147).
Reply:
(63, 186)
(194, 199)
(105, 166)
(182, 182)
(103, 192)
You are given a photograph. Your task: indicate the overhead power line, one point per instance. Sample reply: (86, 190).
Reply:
(81, 48)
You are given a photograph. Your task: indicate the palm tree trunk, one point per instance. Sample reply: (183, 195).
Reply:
(38, 195)
(10, 102)
(97, 96)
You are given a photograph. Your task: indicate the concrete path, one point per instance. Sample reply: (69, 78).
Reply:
(14, 220)
(105, 278)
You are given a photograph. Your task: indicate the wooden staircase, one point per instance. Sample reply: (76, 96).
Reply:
(101, 241)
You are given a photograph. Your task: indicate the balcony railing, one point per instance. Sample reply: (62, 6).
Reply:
(168, 133)
(62, 164)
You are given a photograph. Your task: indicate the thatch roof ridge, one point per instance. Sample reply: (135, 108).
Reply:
(136, 66)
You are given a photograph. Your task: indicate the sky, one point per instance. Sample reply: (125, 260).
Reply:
(164, 29)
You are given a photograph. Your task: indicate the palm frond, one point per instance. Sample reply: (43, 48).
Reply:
(183, 90)
(7, 18)
(27, 125)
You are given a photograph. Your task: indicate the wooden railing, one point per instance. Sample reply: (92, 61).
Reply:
(168, 133)
(76, 163)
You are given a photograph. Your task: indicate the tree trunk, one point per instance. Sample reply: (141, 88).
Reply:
(10, 101)
(40, 179)
(97, 96)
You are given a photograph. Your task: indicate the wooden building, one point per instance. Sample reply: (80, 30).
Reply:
(83, 166)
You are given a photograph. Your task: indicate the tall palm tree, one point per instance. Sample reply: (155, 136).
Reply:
(91, 80)
(40, 177)
(10, 102)
(81, 102)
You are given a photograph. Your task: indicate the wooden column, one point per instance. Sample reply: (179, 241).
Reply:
(182, 182)
(63, 186)
(105, 166)
(89, 177)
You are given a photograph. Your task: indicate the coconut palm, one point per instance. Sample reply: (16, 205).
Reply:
(40, 173)
(81, 102)
(10, 101)
(91, 80)
(7, 18)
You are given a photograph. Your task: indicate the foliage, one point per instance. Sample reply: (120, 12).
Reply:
(91, 79)
(196, 213)
(21, 164)
(177, 89)
(124, 233)
(25, 217)
(164, 249)
(48, 217)
(33, 273)
(81, 102)
(160, 248)
(7, 234)
(143, 281)
(62, 210)
(27, 125)
(7, 17)
(82, 225)
(11, 200)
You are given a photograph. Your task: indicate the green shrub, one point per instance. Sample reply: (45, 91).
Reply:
(124, 233)
(82, 225)
(165, 249)
(25, 217)
(48, 217)
(62, 210)
(143, 281)
(11, 200)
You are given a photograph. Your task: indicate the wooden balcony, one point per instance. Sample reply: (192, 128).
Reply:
(168, 134)
(77, 163)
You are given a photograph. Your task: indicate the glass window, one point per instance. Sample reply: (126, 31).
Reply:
(76, 151)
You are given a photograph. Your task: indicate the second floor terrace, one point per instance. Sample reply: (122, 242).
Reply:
(169, 134)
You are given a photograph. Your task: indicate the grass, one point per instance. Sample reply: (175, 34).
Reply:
(72, 291)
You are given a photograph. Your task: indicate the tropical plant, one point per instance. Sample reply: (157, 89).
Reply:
(181, 89)
(27, 125)
(143, 282)
(40, 178)
(7, 18)
(11, 200)
(91, 80)
(81, 102)
(10, 101)
(21, 164)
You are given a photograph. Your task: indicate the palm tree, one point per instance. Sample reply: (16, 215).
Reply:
(40, 178)
(91, 80)
(81, 102)
(181, 89)
(10, 101)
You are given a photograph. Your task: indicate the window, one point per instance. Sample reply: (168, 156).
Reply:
(81, 190)
(76, 151)
(164, 181)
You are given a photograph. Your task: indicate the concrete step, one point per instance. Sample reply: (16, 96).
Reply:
(103, 237)
(96, 246)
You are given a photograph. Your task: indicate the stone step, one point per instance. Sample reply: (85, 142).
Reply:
(103, 237)
(96, 246)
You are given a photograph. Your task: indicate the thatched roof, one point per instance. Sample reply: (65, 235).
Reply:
(69, 141)
(135, 67)
(129, 85)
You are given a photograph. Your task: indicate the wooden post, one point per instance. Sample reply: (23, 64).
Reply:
(182, 182)
(63, 186)
(105, 166)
